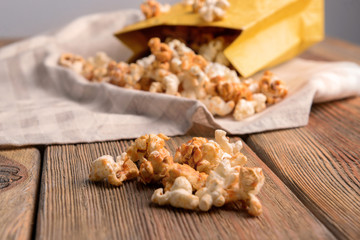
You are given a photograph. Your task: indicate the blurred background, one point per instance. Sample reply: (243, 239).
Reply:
(19, 18)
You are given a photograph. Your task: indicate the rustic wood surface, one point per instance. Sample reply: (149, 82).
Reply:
(333, 50)
(71, 207)
(19, 181)
(320, 162)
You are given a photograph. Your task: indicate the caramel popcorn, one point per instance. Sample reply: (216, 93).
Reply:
(155, 167)
(173, 68)
(272, 87)
(204, 155)
(72, 61)
(154, 159)
(197, 179)
(115, 172)
(145, 145)
(152, 8)
(161, 51)
(200, 154)
(227, 184)
(214, 170)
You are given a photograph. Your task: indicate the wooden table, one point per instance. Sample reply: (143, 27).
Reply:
(312, 188)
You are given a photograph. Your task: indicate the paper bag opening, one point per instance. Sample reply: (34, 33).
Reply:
(265, 33)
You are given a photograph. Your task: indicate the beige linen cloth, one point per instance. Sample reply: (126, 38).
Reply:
(43, 103)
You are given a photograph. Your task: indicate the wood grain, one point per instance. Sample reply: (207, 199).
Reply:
(320, 163)
(71, 207)
(19, 180)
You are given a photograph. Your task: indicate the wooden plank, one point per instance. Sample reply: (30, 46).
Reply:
(19, 180)
(71, 207)
(320, 163)
(333, 50)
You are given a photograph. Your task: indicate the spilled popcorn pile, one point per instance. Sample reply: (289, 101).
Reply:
(175, 69)
(214, 170)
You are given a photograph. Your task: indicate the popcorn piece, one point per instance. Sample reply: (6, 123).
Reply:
(128, 167)
(146, 61)
(156, 87)
(259, 102)
(190, 59)
(243, 109)
(214, 10)
(251, 181)
(101, 60)
(176, 170)
(234, 91)
(161, 51)
(213, 51)
(188, 2)
(198, 4)
(186, 151)
(252, 85)
(214, 193)
(134, 75)
(236, 158)
(273, 88)
(217, 106)
(228, 184)
(72, 61)
(200, 154)
(153, 157)
(117, 73)
(176, 65)
(179, 49)
(115, 172)
(223, 141)
(165, 8)
(172, 84)
(221, 72)
(180, 195)
(156, 166)
(150, 8)
(144, 145)
(193, 82)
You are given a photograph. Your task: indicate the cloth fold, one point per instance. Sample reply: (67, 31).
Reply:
(43, 103)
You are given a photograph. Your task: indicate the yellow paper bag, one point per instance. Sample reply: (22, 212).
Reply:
(267, 32)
